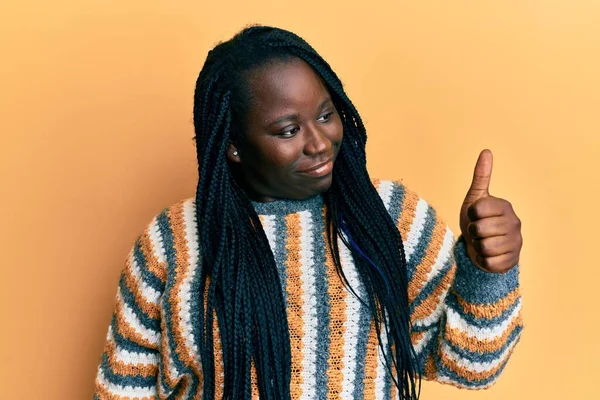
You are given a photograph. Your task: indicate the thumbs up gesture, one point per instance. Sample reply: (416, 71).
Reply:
(491, 229)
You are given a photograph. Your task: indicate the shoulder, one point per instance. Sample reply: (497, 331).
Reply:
(405, 206)
(170, 231)
(395, 195)
(174, 217)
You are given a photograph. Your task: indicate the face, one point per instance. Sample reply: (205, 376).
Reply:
(292, 134)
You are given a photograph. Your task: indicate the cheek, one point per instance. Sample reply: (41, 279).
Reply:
(336, 132)
(281, 154)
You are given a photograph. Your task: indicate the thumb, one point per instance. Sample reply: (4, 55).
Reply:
(480, 186)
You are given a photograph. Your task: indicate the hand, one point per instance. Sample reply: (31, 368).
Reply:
(491, 229)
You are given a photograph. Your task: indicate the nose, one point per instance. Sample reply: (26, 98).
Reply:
(317, 141)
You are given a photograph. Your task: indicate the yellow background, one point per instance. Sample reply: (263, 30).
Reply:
(96, 138)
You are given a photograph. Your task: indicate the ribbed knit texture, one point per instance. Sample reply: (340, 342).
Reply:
(466, 322)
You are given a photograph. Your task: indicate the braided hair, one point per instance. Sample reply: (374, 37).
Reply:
(241, 286)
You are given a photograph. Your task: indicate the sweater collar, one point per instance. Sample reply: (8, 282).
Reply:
(285, 206)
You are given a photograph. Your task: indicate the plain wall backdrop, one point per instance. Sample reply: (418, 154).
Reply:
(96, 138)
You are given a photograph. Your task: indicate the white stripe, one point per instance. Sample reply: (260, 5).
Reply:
(185, 293)
(268, 222)
(157, 241)
(125, 391)
(381, 368)
(455, 321)
(475, 366)
(442, 256)
(352, 323)
(171, 367)
(385, 192)
(133, 321)
(427, 336)
(309, 351)
(148, 293)
(416, 228)
(435, 316)
(130, 357)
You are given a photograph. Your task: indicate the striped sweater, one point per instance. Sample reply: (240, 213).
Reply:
(465, 322)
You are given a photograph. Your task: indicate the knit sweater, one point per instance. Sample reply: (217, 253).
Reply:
(465, 321)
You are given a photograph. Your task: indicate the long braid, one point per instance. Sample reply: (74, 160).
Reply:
(238, 267)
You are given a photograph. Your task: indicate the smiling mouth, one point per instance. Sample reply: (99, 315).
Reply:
(320, 170)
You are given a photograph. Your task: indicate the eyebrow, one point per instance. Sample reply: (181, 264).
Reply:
(290, 117)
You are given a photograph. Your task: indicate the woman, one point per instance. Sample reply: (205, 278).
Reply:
(291, 274)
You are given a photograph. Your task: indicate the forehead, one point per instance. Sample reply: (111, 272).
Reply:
(281, 86)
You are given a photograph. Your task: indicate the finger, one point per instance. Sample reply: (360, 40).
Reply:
(488, 207)
(498, 264)
(492, 246)
(482, 175)
(488, 227)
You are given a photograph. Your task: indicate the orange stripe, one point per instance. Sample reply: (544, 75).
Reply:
(407, 214)
(393, 388)
(468, 374)
(415, 337)
(217, 348)
(127, 330)
(182, 267)
(254, 379)
(218, 351)
(430, 368)
(105, 394)
(186, 379)
(474, 344)
(150, 309)
(337, 325)
(371, 364)
(219, 373)
(376, 182)
(156, 267)
(420, 277)
(295, 300)
(127, 369)
(428, 306)
(489, 311)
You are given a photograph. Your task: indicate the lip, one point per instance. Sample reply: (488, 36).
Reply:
(320, 169)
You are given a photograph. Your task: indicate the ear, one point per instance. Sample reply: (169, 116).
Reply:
(233, 153)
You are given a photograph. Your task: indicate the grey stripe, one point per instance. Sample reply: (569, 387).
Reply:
(323, 305)
(396, 200)
(387, 387)
(280, 252)
(364, 325)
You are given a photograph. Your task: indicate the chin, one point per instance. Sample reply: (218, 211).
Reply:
(321, 186)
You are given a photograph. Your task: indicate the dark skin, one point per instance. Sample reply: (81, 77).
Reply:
(293, 134)
(489, 224)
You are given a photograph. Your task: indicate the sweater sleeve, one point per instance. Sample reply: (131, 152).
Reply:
(465, 321)
(129, 366)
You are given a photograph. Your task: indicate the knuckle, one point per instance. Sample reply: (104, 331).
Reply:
(473, 229)
(485, 246)
(484, 262)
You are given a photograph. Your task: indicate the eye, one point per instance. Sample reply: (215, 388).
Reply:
(325, 117)
(290, 132)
